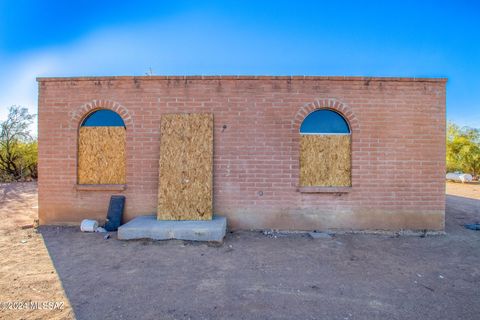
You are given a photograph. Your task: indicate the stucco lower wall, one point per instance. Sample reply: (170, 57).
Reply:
(398, 148)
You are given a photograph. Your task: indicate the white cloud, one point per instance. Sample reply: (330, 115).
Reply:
(168, 47)
(18, 83)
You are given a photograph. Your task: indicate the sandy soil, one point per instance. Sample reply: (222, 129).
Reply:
(466, 190)
(27, 274)
(251, 276)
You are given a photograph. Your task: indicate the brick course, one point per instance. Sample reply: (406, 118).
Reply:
(398, 148)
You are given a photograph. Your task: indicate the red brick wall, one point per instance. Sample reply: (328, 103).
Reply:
(398, 148)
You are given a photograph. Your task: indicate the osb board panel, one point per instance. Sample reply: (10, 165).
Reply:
(325, 160)
(186, 165)
(101, 155)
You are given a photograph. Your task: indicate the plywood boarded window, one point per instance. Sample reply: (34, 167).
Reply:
(101, 149)
(325, 150)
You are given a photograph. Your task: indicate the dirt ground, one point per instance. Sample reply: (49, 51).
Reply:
(251, 276)
(467, 190)
(27, 274)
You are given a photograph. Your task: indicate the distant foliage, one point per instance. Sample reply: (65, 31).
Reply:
(18, 150)
(463, 149)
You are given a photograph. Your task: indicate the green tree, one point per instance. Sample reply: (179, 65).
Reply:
(18, 150)
(463, 149)
(29, 159)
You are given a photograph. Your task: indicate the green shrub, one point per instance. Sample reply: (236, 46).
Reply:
(18, 150)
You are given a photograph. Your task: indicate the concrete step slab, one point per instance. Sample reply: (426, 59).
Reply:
(148, 227)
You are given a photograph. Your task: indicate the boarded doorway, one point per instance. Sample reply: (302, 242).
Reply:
(186, 165)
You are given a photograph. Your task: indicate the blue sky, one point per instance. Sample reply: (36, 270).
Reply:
(369, 38)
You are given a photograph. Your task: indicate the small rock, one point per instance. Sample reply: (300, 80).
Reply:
(23, 241)
(270, 233)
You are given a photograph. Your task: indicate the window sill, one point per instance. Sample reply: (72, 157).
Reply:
(101, 187)
(318, 189)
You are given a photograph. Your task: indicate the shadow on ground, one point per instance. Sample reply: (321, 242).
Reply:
(253, 276)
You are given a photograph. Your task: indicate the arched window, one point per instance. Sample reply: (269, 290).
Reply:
(325, 150)
(101, 148)
(324, 121)
(103, 118)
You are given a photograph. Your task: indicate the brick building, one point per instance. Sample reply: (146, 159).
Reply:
(396, 132)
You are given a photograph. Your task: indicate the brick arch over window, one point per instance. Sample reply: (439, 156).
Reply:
(319, 104)
(101, 150)
(332, 104)
(83, 111)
